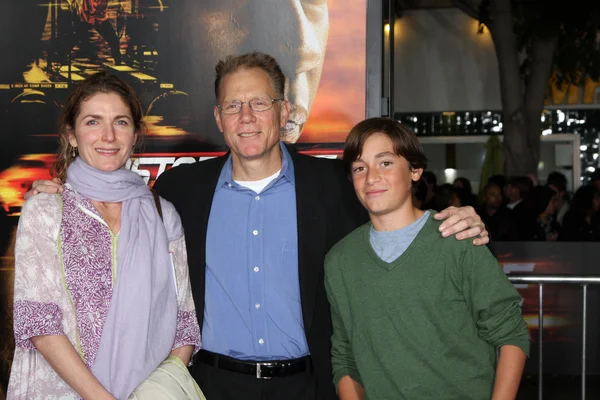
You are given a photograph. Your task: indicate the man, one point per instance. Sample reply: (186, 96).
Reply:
(518, 193)
(497, 217)
(518, 190)
(415, 316)
(258, 223)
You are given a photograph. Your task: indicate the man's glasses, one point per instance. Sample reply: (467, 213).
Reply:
(258, 105)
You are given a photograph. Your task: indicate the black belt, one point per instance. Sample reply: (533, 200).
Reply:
(259, 369)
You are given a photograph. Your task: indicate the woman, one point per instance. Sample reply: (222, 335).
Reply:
(102, 293)
(542, 225)
(581, 222)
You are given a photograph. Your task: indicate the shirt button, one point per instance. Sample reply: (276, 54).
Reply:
(256, 269)
(257, 306)
(261, 341)
(257, 198)
(255, 232)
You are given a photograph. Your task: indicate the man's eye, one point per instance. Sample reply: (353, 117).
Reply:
(386, 163)
(359, 169)
(92, 122)
(260, 102)
(232, 106)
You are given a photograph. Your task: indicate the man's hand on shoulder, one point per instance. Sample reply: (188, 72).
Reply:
(44, 186)
(464, 223)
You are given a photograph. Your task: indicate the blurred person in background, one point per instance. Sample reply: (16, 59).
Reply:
(595, 179)
(518, 194)
(444, 197)
(419, 194)
(541, 223)
(464, 191)
(498, 219)
(558, 182)
(582, 222)
(431, 181)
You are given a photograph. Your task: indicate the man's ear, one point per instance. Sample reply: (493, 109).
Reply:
(285, 113)
(218, 118)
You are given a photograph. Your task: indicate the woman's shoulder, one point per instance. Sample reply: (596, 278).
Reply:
(42, 212)
(43, 203)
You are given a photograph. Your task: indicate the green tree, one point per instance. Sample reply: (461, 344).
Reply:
(536, 40)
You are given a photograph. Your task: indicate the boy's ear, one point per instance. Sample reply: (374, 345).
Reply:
(416, 174)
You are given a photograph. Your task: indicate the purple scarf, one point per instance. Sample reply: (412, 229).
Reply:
(140, 326)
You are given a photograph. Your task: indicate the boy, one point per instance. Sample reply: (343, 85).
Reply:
(415, 316)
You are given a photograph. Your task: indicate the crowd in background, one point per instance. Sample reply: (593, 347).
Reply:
(517, 208)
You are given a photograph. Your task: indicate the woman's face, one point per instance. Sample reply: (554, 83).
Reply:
(104, 132)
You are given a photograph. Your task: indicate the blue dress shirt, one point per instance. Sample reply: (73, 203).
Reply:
(252, 303)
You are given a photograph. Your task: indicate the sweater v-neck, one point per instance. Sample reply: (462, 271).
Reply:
(415, 244)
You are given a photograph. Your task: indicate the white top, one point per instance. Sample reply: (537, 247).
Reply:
(511, 206)
(260, 185)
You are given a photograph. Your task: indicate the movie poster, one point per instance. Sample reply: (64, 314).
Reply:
(167, 50)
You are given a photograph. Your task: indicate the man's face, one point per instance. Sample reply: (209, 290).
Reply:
(383, 180)
(292, 31)
(493, 196)
(250, 134)
(512, 192)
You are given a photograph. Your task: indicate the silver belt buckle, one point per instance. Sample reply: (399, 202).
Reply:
(259, 371)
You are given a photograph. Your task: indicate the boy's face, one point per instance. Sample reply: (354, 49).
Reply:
(382, 179)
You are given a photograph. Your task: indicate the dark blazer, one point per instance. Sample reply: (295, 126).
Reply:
(327, 210)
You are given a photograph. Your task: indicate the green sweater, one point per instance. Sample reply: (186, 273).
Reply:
(425, 326)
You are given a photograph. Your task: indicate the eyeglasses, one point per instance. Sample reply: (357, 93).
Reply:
(258, 105)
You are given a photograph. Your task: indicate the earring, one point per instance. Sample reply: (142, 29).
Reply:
(74, 152)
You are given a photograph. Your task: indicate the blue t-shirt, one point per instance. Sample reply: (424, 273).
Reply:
(390, 245)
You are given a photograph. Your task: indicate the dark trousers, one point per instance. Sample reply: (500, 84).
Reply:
(219, 384)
